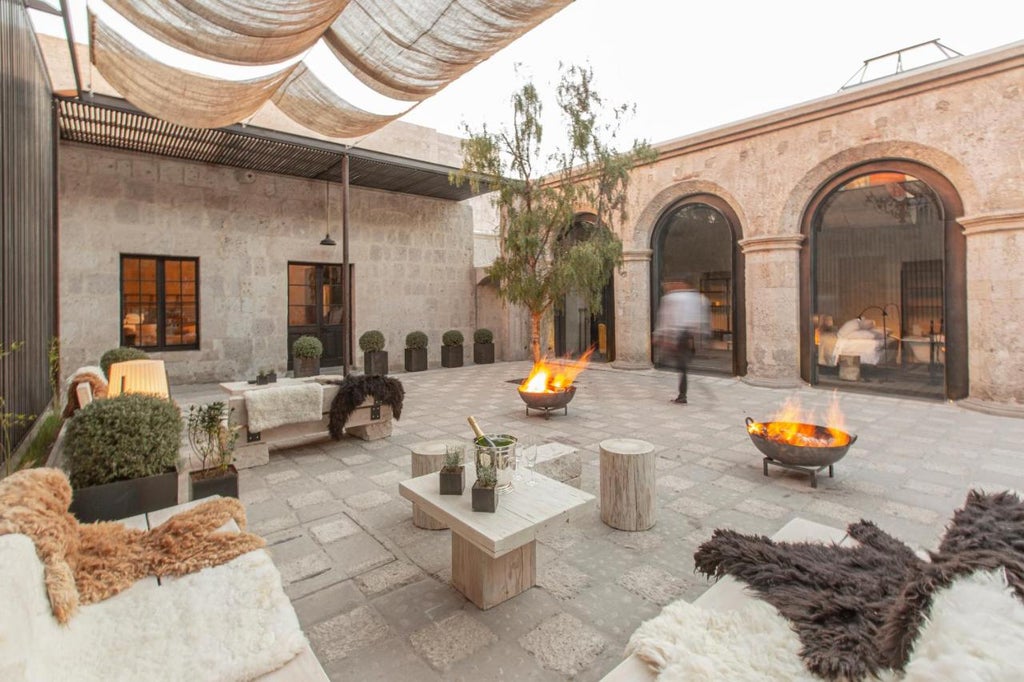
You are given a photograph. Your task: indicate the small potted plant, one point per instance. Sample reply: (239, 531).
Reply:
(451, 348)
(271, 376)
(261, 378)
(485, 495)
(453, 473)
(415, 352)
(213, 442)
(375, 358)
(306, 352)
(483, 347)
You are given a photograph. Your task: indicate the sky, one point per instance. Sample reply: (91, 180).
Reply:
(692, 65)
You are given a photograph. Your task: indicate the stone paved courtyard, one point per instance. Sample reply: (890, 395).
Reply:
(371, 590)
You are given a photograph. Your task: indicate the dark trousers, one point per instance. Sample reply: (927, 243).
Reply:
(684, 351)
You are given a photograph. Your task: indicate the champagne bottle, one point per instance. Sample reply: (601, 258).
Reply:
(476, 427)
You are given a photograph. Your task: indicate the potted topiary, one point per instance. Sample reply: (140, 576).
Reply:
(451, 348)
(306, 352)
(453, 473)
(213, 442)
(485, 496)
(122, 455)
(415, 352)
(375, 358)
(483, 347)
(115, 355)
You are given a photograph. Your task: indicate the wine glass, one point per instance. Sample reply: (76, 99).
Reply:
(530, 454)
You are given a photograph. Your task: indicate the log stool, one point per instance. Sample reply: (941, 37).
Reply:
(427, 458)
(627, 483)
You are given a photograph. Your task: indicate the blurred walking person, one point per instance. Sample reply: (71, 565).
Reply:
(683, 317)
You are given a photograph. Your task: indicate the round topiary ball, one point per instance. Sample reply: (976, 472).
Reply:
(115, 355)
(371, 341)
(130, 436)
(483, 335)
(452, 337)
(416, 340)
(307, 347)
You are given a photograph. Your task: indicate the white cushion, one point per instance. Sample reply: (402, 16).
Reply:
(848, 326)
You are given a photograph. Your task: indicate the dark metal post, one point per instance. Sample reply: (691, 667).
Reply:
(346, 283)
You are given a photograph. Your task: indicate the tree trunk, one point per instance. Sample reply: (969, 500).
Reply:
(535, 335)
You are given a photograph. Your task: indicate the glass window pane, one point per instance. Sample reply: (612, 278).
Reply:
(131, 268)
(148, 269)
(172, 270)
(301, 274)
(188, 270)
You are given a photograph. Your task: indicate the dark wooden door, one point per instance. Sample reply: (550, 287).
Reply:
(316, 300)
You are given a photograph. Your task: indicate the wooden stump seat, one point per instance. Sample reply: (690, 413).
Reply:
(627, 484)
(427, 458)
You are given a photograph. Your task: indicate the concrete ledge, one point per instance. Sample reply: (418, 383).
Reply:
(773, 382)
(997, 409)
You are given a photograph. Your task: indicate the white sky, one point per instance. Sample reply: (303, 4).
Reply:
(693, 65)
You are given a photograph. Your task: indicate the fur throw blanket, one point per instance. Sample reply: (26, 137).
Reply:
(85, 563)
(84, 375)
(858, 609)
(354, 389)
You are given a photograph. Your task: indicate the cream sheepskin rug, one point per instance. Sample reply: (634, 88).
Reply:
(974, 631)
(227, 623)
(271, 407)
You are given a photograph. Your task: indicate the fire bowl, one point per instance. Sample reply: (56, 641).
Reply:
(799, 455)
(548, 401)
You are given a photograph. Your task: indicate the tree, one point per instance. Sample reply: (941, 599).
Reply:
(539, 262)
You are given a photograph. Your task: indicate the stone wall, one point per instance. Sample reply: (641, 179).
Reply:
(412, 257)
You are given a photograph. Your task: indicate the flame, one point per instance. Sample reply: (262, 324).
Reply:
(556, 376)
(790, 425)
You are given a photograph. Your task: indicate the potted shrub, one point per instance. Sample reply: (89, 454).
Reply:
(451, 348)
(375, 358)
(306, 352)
(122, 455)
(483, 347)
(415, 352)
(115, 355)
(214, 444)
(485, 495)
(453, 473)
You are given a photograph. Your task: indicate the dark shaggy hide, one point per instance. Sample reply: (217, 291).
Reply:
(354, 389)
(859, 609)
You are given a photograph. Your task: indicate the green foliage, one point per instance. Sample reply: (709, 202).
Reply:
(452, 337)
(8, 420)
(416, 340)
(453, 457)
(53, 360)
(130, 436)
(307, 347)
(486, 476)
(122, 354)
(483, 335)
(546, 250)
(39, 449)
(371, 341)
(211, 438)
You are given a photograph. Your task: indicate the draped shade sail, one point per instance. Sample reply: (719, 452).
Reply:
(399, 51)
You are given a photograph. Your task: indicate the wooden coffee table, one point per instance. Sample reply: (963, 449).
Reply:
(494, 556)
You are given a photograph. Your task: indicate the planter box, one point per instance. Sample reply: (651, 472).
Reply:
(375, 362)
(483, 353)
(121, 499)
(485, 499)
(451, 356)
(225, 484)
(306, 367)
(415, 359)
(453, 482)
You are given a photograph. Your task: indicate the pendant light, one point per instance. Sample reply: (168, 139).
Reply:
(327, 241)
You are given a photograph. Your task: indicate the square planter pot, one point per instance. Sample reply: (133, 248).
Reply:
(375, 363)
(451, 356)
(483, 353)
(484, 499)
(415, 359)
(224, 484)
(306, 367)
(453, 482)
(121, 499)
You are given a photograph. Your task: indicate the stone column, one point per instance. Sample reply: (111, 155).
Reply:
(633, 311)
(773, 309)
(995, 311)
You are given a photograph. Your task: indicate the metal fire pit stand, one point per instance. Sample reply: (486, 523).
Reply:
(813, 471)
(547, 410)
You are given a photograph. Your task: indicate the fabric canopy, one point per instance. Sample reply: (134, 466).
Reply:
(400, 51)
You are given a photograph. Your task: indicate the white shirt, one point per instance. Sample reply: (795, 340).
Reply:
(684, 309)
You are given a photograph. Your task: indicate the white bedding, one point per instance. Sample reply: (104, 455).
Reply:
(863, 340)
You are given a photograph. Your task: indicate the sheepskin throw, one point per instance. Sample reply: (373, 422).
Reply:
(354, 389)
(974, 631)
(84, 375)
(86, 563)
(270, 407)
(858, 609)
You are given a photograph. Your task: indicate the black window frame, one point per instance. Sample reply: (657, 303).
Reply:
(161, 303)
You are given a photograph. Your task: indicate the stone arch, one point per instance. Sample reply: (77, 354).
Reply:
(846, 166)
(643, 227)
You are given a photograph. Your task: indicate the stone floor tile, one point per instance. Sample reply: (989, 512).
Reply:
(564, 644)
(450, 640)
(562, 580)
(368, 500)
(388, 577)
(342, 635)
(653, 584)
(329, 530)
